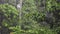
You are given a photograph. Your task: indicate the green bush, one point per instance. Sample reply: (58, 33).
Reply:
(30, 18)
(41, 30)
(9, 14)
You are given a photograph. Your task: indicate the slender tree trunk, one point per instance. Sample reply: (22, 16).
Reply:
(19, 6)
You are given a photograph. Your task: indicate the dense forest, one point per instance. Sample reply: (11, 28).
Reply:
(29, 16)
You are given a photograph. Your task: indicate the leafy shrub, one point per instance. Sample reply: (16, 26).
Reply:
(9, 15)
(57, 30)
(53, 8)
(41, 30)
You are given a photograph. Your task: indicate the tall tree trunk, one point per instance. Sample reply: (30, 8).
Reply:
(19, 6)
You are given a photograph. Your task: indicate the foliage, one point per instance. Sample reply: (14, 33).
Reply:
(32, 17)
(9, 15)
(42, 30)
(53, 7)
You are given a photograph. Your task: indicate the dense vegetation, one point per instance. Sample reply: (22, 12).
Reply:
(9, 16)
(38, 17)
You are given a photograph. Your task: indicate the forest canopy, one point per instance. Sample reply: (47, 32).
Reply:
(37, 17)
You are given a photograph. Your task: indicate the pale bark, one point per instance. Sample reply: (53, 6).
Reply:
(19, 6)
